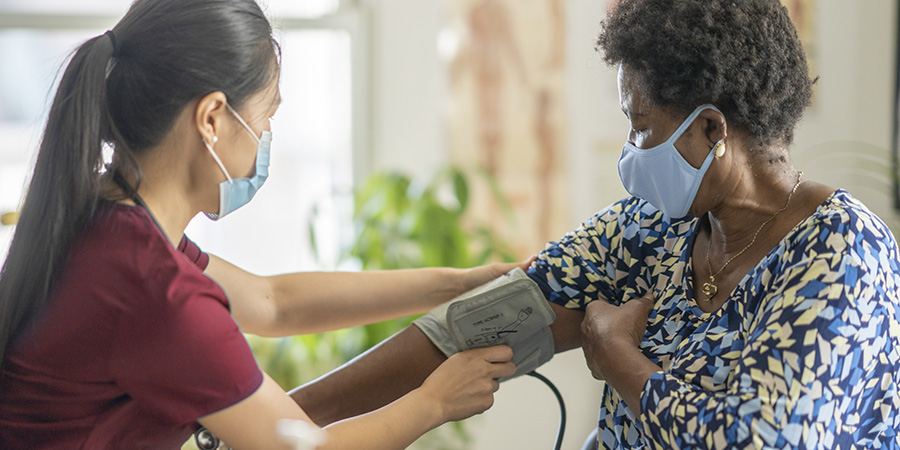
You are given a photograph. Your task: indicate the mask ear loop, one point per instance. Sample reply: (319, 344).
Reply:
(216, 157)
(241, 120)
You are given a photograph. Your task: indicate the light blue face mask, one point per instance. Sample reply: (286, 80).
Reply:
(237, 192)
(661, 175)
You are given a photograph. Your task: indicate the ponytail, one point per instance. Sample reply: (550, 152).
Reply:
(64, 188)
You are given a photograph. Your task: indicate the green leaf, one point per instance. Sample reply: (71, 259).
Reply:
(313, 239)
(461, 189)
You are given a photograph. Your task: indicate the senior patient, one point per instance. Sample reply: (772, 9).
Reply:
(738, 304)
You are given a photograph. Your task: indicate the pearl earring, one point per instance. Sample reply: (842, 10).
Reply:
(720, 149)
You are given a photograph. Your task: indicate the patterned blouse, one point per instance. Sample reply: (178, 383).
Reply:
(804, 354)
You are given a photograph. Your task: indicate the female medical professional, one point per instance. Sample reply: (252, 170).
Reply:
(117, 331)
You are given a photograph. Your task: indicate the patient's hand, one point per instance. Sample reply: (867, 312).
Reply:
(605, 327)
(464, 385)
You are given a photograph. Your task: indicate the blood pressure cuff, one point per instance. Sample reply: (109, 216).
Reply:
(510, 310)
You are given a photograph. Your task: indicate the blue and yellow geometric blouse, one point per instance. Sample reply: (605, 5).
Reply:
(804, 354)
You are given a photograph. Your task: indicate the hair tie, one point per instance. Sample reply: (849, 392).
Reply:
(115, 44)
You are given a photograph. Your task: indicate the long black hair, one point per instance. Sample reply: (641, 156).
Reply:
(124, 90)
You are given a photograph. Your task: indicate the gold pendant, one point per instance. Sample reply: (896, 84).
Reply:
(709, 290)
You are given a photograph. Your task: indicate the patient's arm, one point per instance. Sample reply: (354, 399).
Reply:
(381, 375)
(393, 368)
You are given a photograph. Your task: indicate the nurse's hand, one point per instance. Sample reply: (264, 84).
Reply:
(609, 330)
(464, 385)
(477, 276)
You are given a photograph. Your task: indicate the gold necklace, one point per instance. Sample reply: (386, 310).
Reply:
(709, 288)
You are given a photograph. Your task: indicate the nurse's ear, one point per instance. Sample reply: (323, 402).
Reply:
(210, 114)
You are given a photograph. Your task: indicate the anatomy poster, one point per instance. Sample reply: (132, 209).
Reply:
(506, 114)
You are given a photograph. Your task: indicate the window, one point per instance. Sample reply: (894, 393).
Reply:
(318, 132)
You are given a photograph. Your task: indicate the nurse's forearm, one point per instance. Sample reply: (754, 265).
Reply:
(314, 302)
(322, 301)
(372, 380)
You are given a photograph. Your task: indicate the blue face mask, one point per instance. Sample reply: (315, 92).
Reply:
(661, 175)
(237, 192)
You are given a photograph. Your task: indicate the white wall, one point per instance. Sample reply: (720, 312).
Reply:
(407, 86)
(849, 125)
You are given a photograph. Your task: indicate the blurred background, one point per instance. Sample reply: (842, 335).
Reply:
(453, 132)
